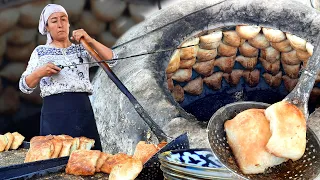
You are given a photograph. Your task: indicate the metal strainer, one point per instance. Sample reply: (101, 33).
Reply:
(307, 167)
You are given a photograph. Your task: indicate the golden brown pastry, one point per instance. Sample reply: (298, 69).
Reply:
(40, 150)
(303, 55)
(64, 136)
(113, 161)
(75, 144)
(247, 62)
(225, 63)
(189, 48)
(10, 138)
(40, 138)
(211, 40)
(247, 50)
(204, 68)
(288, 129)
(252, 77)
(18, 140)
(260, 41)
(270, 54)
(66, 146)
(102, 158)
(86, 143)
(309, 48)
(3, 142)
(182, 75)
(234, 77)
(273, 81)
(273, 35)
(57, 143)
(231, 38)
(247, 32)
(206, 55)
(174, 62)
(297, 42)
(291, 70)
(145, 151)
(289, 83)
(247, 134)
(170, 84)
(272, 68)
(226, 50)
(128, 169)
(283, 46)
(83, 162)
(290, 58)
(194, 87)
(188, 63)
(214, 81)
(178, 93)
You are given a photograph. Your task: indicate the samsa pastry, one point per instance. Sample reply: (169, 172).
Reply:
(303, 55)
(297, 42)
(247, 50)
(273, 81)
(17, 140)
(189, 48)
(288, 129)
(270, 54)
(211, 40)
(291, 70)
(231, 38)
(186, 64)
(247, 32)
(247, 134)
(247, 62)
(102, 158)
(309, 48)
(86, 143)
(113, 161)
(126, 170)
(182, 75)
(204, 68)
(290, 58)
(283, 46)
(260, 42)
(3, 142)
(225, 64)
(57, 143)
(272, 68)
(66, 146)
(273, 35)
(252, 77)
(174, 63)
(178, 93)
(226, 50)
(39, 150)
(194, 87)
(206, 55)
(214, 81)
(234, 77)
(170, 84)
(10, 138)
(83, 162)
(289, 83)
(145, 151)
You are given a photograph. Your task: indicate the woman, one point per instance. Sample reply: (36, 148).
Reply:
(66, 107)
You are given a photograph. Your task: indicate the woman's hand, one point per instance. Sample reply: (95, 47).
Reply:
(47, 70)
(80, 33)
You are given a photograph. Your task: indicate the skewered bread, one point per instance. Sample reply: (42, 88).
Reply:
(83, 162)
(247, 134)
(288, 129)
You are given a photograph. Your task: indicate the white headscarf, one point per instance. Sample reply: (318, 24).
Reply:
(46, 12)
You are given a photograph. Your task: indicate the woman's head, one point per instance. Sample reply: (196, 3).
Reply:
(54, 23)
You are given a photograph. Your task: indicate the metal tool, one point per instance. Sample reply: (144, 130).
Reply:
(151, 168)
(308, 166)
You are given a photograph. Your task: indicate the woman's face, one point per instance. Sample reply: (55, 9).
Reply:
(58, 26)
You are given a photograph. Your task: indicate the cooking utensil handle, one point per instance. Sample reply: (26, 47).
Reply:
(141, 111)
(299, 96)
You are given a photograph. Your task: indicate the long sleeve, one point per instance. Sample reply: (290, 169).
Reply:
(32, 65)
(111, 64)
